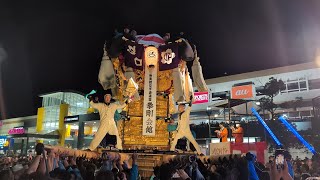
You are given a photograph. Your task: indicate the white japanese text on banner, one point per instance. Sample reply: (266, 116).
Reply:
(150, 91)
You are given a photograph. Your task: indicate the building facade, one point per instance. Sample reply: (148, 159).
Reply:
(55, 107)
(12, 131)
(302, 82)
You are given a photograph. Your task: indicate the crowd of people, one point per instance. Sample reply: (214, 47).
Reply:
(306, 168)
(64, 167)
(111, 166)
(233, 167)
(237, 167)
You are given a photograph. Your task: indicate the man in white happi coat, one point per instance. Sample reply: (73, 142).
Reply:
(107, 122)
(183, 129)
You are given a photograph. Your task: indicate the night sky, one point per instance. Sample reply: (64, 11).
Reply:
(58, 46)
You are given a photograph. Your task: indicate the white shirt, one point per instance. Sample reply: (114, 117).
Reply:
(107, 111)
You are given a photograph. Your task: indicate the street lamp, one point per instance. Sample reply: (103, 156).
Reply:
(261, 103)
(209, 112)
(3, 56)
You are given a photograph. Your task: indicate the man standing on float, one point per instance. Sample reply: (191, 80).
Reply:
(184, 127)
(107, 123)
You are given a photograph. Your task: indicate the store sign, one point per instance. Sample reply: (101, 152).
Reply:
(3, 142)
(71, 118)
(201, 97)
(242, 92)
(16, 130)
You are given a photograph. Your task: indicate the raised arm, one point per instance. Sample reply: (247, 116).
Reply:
(188, 109)
(96, 106)
(34, 165)
(134, 170)
(237, 131)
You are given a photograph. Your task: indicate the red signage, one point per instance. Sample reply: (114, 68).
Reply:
(242, 92)
(201, 97)
(19, 130)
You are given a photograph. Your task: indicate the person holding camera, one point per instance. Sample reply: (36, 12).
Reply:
(237, 133)
(222, 133)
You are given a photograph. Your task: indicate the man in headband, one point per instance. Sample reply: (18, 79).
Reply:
(184, 127)
(107, 123)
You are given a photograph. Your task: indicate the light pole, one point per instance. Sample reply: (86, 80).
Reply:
(3, 56)
(260, 103)
(209, 112)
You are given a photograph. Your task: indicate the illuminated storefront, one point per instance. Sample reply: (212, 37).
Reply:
(20, 134)
(55, 106)
(4, 144)
(80, 129)
(48, 125)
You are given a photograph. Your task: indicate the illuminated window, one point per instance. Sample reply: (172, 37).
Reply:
(305, 113)
(295, 85)
(314, 84)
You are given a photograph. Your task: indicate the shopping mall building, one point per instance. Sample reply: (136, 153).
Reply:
(302, 82)
(66, 113)
(56, 122)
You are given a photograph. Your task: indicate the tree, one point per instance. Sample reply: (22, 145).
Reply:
(270, 90)
(294, 104)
